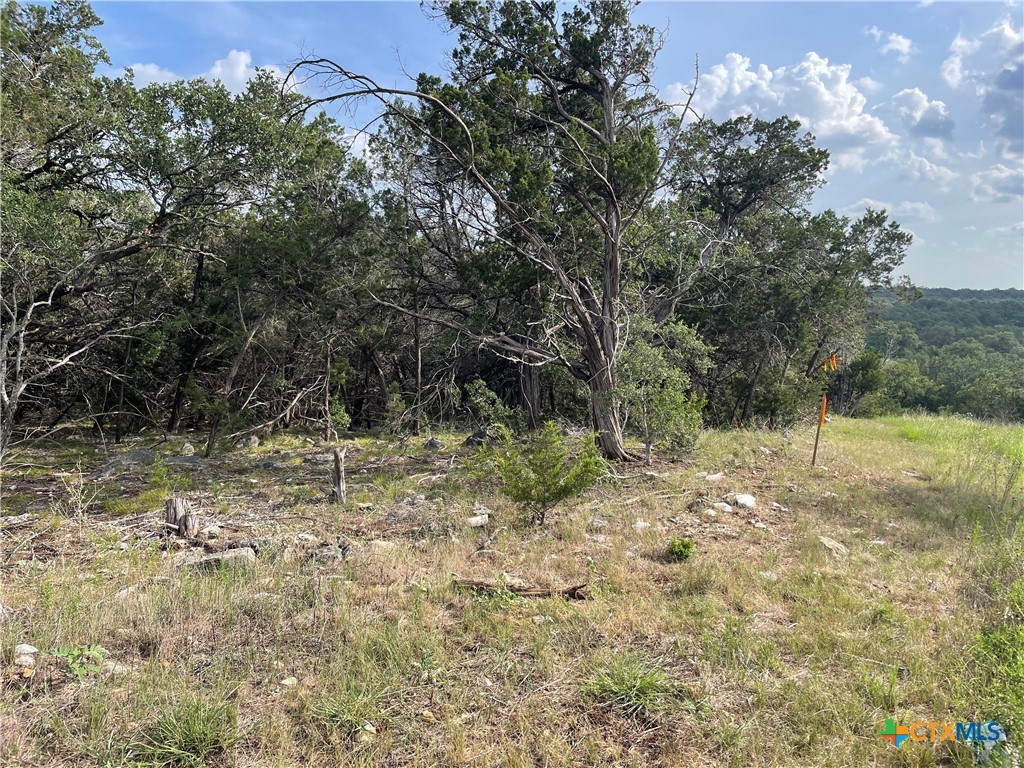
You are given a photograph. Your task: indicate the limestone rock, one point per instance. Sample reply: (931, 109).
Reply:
(25, 656)
(243, 557)
(836, 548)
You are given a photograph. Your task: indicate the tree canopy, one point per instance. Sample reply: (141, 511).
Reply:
(538, 222)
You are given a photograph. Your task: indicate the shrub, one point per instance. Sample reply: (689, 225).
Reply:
(487, 407)
(679, 550)
(543, 473)
(654, 388)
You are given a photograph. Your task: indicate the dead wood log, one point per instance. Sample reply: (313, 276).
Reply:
(338, 491)
(181, 518)
(579, 592)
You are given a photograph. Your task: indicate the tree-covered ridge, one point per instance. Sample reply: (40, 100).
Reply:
(951, 351)
(537, 231)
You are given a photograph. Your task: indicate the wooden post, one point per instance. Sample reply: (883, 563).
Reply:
(338, 492)
(821, 423)
(179, 517)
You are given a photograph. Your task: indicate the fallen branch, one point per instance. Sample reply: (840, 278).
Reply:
(579, 592)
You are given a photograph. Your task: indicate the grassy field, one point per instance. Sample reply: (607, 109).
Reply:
(348, 641)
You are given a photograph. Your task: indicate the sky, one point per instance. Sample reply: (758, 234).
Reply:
(921, 104)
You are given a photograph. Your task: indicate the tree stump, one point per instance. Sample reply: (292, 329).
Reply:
(338, 490)
(179, 517)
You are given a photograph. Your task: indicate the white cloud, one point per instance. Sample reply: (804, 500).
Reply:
(999, 184)
(920, 211)
(816, 92)
(894, 43)
(1013, 230)
(921, 168)
(151, 73)
(898, 44)
(867, 84)
(935, 147)
(236, 70)
(993, 63)
(922, 116)
(953, 67)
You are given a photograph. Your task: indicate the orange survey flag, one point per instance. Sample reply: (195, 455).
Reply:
(824, 406)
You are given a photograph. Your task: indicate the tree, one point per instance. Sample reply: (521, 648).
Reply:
(553, 141)
(55, 117)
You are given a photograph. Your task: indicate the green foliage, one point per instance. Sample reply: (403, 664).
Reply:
(654, 388)
(679, 549)
(82, 661)
(487, 407)
(542, 473)
(187, 734)
(340, 419)
(396, 414)
(631, 685)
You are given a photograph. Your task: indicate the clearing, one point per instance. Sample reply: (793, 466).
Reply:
(887, 582)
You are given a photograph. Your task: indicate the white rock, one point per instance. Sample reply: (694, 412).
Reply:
(641, 525)
(243, 557)
(211, 532)
(382, 546)
(114, 669)
(760, 526)
(25, 656)
(511, 580)
(710, 513)
(721, 506)
(715, 478)
(187, 449)
(478, 521)
(769, 576)
(878, 542)
(288, 682)
(778, 507)
(833, 546)
(745, 501)
(307, 540)
(598, 525)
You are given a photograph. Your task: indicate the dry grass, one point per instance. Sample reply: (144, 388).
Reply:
(763, 648)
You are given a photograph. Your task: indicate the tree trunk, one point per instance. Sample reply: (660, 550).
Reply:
(418, 404)
(606, 417)
(328, 424)
(225, 391)
(748, 405)
(529, 390)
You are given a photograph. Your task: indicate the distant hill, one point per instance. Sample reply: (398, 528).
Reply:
(952, 351)
(945, 315)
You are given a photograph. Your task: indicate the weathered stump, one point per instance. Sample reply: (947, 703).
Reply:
(179, 517)
(338, 490)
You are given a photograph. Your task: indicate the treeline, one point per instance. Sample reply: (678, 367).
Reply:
(537, 236)
(951, 351)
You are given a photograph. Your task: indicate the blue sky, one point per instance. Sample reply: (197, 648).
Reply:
(921, 104)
